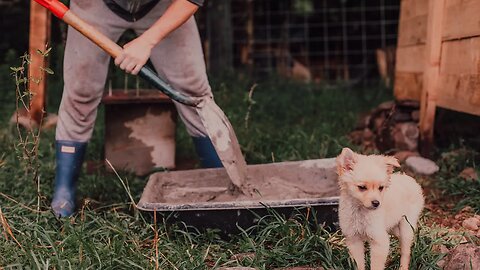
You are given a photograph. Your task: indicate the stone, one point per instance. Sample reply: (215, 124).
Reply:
(420, 165)
(409, 103)
(415, 115)
(471, 223)
(387, 105)
(402, 117)
(469, 174)
(363, 121)
(466, 256)
(405, 136)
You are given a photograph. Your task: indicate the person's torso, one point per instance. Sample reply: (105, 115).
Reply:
(132, 6)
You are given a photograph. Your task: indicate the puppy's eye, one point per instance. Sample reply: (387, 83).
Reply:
(380, 188)
(362, 188)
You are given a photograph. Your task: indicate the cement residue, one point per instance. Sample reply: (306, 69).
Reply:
(269, 182)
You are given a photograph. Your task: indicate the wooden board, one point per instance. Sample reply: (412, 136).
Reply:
(461, 56)
(431, 75)
(39, 37)
(413, 8)
(408, 85)
(460, 93)
(412, 31)
(460, 76)
(462, 19)
(412, 22)
(409, 59)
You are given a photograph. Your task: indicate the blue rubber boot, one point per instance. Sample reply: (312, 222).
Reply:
(206, 153)
(69, 160)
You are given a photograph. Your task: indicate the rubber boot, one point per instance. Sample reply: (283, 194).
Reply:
(206, 152)
(69, 160)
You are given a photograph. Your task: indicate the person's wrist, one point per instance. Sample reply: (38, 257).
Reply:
(149, 41)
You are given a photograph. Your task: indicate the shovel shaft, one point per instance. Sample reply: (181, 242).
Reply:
(113, 49)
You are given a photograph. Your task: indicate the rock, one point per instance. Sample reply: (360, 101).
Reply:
(462, 257)
(364, 136)
(387, 105)
(415, 115)
(380, 123)
(363, 121)
(471, 223)
(420, 165)
(403, 155)
(402, 117)
(356, 137)
(368, 135)
(469, 174)
(405, 136)
(409, 103)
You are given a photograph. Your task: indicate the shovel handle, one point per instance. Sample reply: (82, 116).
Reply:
(113, 49)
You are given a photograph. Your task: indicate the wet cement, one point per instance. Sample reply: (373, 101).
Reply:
(269, 182)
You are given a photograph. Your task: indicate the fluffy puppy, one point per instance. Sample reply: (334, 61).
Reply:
(375, 202)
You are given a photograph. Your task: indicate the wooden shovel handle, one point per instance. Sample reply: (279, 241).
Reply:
(112, 48)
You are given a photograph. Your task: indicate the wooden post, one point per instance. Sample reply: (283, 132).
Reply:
(39, 37)
(431, 75)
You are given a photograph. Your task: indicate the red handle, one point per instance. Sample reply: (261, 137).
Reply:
(56, 7)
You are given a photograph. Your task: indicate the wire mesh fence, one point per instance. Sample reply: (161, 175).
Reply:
(312, 40)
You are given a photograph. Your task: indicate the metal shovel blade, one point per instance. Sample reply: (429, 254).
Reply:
(225, 142)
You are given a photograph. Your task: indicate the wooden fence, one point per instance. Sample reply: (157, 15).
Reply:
(438, 58)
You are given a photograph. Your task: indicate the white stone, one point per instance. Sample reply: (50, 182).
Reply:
(422, 165)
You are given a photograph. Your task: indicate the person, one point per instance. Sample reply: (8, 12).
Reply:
(167, 35)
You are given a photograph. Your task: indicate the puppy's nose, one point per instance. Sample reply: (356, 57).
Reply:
(375, 203)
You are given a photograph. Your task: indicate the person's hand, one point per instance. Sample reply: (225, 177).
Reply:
(135, 55)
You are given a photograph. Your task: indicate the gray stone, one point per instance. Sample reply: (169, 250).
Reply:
(422, 165)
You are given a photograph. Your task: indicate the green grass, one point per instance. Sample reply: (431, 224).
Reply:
(287, 121)
(465, 192)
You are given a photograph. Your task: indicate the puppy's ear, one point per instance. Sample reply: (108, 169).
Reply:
(391, 163)
(346, 160)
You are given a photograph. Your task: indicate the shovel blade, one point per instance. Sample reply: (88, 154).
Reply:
(225, 142)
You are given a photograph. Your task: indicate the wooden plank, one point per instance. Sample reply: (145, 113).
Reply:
(408, 85)
(39, 37)
(410, 59)
(413, 8)
(460, 92)
(431, 75)
(412, 31)
(461, 19)
(461, 56)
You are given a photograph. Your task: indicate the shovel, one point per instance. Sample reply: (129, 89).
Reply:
(216, 123)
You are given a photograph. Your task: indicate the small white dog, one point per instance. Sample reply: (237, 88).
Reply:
(374, 202)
